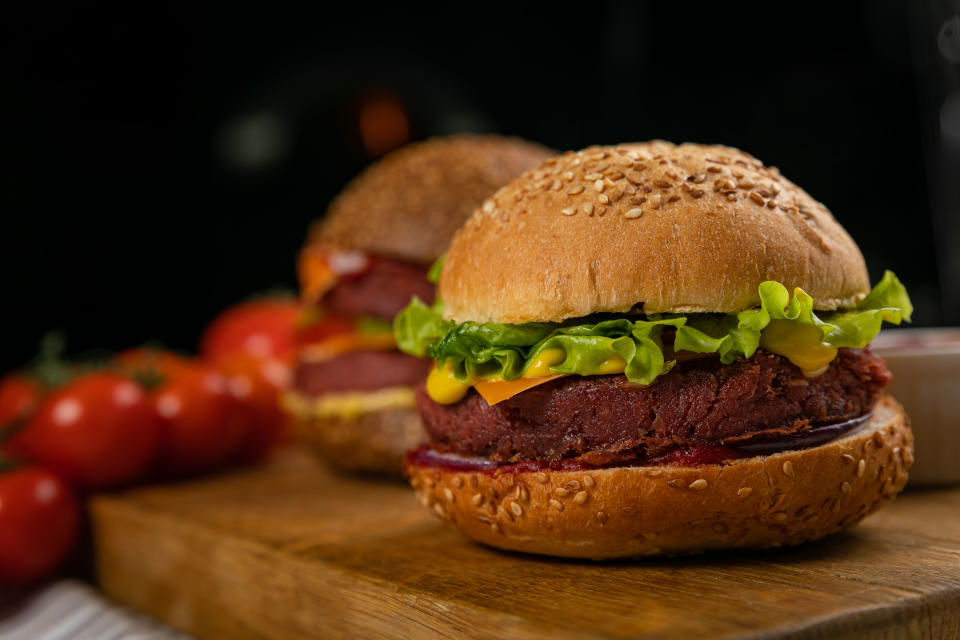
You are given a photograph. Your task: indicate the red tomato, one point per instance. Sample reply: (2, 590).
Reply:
(202, 426)
(100, 431)
(38, 524)
(150, 362)
(327, 327)
(19, 398)
(261, 328)
(257, 384)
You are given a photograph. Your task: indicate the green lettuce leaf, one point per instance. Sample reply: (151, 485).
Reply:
(484, 350)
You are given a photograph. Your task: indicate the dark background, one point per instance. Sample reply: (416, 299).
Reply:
(159, 164)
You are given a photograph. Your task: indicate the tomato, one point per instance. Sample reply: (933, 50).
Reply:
(150, 364)
(19, 398)
(99, 431)
(325, 328)
(39, 517)
(261, 328)
(202, 425)
(257, 384)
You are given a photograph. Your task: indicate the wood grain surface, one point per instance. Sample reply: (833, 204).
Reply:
(291, 551)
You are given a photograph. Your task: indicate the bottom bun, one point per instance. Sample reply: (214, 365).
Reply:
(360, 431)
(764, 501)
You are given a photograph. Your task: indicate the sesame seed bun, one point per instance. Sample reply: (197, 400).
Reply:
(358, 432)
(408, 205)
(764, 501)
(671, 228)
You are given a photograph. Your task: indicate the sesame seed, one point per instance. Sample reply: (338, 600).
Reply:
(878, 439)
(561, 492)
(657, 201)
(698, 484)
(673, 198)
(588, 481)
(516, 508)
(676, 483)
(764, 192)
(599, 186)
(593, 176)
(581, 497)
(788, 468)
(476, 499)
(616, 175)
(745, 183)
(603, 199)
(861, 467)
(633, 213)
(588, 208)
(696, 193)
(663, 184)
(503, 513)
(845, 487)
(522, 493)
(438, 509)
(846, 457)
(541, 477)
(457, 482)
(448, 494)
(474, 481)
(719, 527)
(723, 185)
(572, 485)
(639, 166)
(713, 169)
(556, 504)
(494, 527)
(780, 516)
(569, 211)
(568, 175)
(576, 190)
(488, 206)
(556, 185)
(601, 210)
(602, 517)
(743, 492)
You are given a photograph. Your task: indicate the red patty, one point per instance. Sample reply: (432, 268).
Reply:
(360, 371)
(604, 419)
(380, 291)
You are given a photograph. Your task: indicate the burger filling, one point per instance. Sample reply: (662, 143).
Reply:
(347, 340)
(634, 389)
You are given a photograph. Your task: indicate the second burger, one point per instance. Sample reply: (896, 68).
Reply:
(352, 398)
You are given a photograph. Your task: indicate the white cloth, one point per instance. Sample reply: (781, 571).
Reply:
(73, 610)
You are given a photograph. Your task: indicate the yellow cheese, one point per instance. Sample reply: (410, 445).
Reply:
(801, 344)
(443, 387)
(540, 367)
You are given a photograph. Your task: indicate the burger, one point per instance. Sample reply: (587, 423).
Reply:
(654, 349)
(352, 397)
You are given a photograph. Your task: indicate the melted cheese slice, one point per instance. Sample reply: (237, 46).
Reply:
(342, 343)
(494, 391)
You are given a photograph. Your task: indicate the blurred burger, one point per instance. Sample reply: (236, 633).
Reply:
(353, 395)
(655, 349)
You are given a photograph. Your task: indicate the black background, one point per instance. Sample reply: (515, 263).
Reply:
(129, 214)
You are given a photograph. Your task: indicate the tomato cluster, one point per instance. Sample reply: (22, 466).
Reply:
(146, 414)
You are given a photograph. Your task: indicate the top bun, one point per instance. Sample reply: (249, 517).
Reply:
(409, 204)
(653, 226)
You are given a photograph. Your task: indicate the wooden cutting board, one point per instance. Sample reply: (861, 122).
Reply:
(290, 551)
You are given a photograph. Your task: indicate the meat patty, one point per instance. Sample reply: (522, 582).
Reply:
(602, 419)
(360, 371)
(381, 291)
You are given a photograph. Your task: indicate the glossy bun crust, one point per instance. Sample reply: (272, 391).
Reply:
(764, 501)
(408, 205)
(657, 226)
